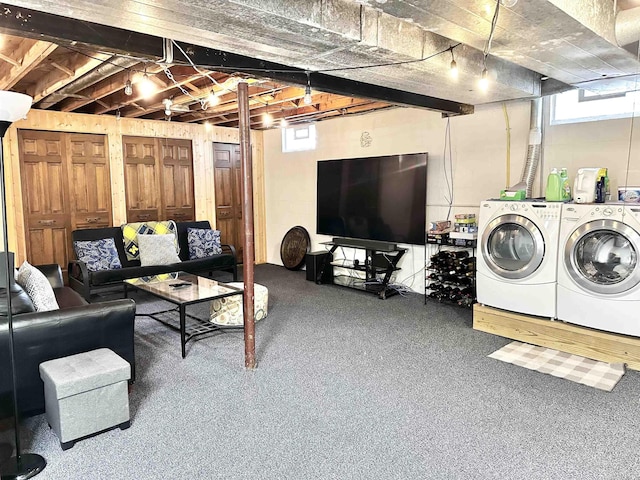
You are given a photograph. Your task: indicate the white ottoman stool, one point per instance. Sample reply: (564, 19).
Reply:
(85, 394)
(228, 311)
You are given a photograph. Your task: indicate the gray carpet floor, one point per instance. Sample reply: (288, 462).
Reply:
(351, 387)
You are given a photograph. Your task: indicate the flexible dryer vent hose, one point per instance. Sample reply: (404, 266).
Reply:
(535, 146)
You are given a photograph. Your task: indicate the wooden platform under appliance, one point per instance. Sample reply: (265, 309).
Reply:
(583, 341)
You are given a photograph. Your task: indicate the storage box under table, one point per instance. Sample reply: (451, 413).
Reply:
(85, 394)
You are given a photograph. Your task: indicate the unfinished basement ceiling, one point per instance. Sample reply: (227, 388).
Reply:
(568, 42)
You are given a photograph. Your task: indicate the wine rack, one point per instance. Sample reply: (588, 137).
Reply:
(450, 276)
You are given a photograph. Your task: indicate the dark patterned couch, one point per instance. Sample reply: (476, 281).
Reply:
(86, 282)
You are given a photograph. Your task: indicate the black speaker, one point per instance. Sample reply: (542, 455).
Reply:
(317, 261)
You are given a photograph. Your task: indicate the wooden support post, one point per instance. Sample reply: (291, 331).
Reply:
(247, 214)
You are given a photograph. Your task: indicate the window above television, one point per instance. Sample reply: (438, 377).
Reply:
(299, 138)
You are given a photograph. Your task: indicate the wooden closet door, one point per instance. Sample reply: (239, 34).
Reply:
(89, 181)
(47, 210)
(228, 184)
(142, 185)
(177, 180)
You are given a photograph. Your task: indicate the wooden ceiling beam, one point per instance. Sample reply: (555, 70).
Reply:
(10, 60)
(279, 96)
(121, 100)
(53, 81)
(33, 56)
(62, 68)
(178, 100)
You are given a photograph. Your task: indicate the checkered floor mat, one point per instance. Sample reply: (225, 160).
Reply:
(601, 375)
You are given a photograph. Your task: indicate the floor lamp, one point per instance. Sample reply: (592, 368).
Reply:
(13, 106)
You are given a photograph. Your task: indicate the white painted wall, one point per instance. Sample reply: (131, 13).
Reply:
(478, 156)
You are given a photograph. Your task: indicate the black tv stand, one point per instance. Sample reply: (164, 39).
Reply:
(378, 261)
(366, 244)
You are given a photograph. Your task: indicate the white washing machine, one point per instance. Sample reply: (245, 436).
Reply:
(517, 256)
(599, 267)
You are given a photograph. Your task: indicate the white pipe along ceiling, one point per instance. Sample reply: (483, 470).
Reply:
(538, 46)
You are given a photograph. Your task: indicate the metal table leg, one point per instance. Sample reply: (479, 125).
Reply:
(183, 340)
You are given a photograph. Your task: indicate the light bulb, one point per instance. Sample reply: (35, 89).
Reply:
(128, 88)
(207, 125)
(483, 83)
(213, 99)
(267, 119)
(307, 95)
(146, 87)
(283, 123)
(167, 106)
(453, 69)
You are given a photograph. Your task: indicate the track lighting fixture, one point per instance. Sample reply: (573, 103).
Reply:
(307, 91)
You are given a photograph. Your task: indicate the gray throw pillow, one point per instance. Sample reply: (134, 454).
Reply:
(34, 282)
(157, 250)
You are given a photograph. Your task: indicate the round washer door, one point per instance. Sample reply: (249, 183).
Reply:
(602, 257)
(512, 246)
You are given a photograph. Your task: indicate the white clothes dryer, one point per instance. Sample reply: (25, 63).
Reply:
(517, 254)
(599, 267)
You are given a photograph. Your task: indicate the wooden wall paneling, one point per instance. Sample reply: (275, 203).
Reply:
(13, 185)
(202, 140)
(259, 211)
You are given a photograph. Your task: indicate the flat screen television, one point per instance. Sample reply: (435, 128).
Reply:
(373, 198)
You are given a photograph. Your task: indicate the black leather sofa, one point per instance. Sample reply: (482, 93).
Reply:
(85, 282)
(40, 336)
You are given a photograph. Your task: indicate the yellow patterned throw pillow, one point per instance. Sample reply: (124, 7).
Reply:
(130, 232)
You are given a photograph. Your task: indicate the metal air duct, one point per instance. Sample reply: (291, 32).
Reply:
(110, 67)
(628, 26)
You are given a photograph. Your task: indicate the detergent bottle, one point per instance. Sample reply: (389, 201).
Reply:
(566, 187)
(554, 191)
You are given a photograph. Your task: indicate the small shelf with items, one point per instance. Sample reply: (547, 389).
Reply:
(450, 270)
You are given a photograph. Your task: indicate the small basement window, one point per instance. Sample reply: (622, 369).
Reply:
(581, 105)
(299, 138)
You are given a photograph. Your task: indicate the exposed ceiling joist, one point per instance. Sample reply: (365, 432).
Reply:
(31, 56)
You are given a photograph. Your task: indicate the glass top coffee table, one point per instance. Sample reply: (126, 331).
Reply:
(182, 289)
